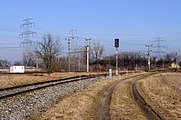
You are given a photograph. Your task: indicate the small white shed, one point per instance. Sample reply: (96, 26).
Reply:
(17, 69)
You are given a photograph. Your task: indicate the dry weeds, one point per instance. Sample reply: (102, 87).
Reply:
(7, 80)
(78, 106)
(122, 105)
(163, 94)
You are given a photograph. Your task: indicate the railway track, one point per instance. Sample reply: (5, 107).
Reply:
(20, 102)
(16, 90)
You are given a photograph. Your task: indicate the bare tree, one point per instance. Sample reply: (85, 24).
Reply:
(5, 63)
(29, 59)
(49, 50)
(18, 63)
(97, 51)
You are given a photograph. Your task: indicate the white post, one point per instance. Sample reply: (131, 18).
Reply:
(87, 58)
(110, 73)
(117, 62)
(88, 50)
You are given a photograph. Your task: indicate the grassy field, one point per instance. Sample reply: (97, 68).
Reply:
(123, 107)
(162, 93)
(7, 80)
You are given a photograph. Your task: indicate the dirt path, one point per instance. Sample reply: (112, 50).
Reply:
(104, 110)
(126, 97)
(146, 109)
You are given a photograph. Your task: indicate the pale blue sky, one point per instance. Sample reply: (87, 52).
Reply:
(133, 21)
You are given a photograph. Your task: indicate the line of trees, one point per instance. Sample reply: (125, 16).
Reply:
(48, 56)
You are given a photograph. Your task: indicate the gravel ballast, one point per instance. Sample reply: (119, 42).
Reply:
(22, 106)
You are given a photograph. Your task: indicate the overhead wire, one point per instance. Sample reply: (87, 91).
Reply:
(40, 33)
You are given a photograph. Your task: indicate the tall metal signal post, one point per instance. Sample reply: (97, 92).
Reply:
(117, 48)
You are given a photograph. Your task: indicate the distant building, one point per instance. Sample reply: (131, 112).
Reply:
(174, 65)
(17, 69)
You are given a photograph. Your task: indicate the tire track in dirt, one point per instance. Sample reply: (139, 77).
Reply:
(104, 111)
(105, 107)
(146, 109)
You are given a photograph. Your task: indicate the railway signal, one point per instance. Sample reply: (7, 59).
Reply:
(116, 41)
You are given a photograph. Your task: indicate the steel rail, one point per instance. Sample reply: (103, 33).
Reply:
(15, 90)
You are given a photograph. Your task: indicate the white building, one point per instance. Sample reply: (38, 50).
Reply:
(17, 69)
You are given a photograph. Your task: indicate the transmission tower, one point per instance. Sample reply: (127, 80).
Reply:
(27, 34)
(71, 46)
(73, 37)
(159, 48)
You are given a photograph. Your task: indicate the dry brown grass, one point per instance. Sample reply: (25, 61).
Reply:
(122, 105)
(161, 92)
(79, 106)
(7, 80)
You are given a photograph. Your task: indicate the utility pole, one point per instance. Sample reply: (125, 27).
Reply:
(69, 53)
(176, 60)
(149, 61)
(117, 47)
(88, 52)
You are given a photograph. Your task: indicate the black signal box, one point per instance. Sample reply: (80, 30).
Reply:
(116, 43)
